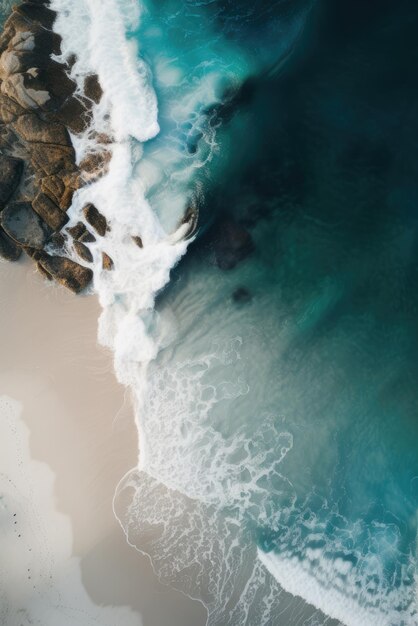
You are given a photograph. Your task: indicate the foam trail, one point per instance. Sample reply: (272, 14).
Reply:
(128, 113)
(294, 575)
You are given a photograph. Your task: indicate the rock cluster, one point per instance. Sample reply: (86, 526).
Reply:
(38, 170)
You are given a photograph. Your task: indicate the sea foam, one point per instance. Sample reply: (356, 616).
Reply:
(183, 494)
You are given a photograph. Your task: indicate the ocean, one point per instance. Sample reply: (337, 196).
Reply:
(269, 339)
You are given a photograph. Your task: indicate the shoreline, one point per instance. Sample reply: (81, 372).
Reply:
(81, 425)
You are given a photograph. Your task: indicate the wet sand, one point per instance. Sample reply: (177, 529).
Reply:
(81, 426)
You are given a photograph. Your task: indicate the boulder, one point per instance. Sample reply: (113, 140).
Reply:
(28, 96)
(33, 129)
(49, 212)
(92, 88)
(107, 262)
(87, 237)
(23, 225)
(77, 230)
(74, 114)
(52, 159)
(10, 173)
(137, 239)
(95, 164)
(66, 272)
(55, 188)
(232, 244)
(83, 251)
(95, 219)
(9, 250)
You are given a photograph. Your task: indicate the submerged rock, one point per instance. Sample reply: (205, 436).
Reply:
(242, 295)
(232, 244)
(23, 225)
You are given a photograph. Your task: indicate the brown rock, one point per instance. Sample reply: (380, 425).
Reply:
(68, 273)
(10, 173)
(74, 114)
(95, 165)
(137, 239)
(55, 188)
(26, 95)
(92, 88)
(33, 129)
(9, 109)
(9, 250)
(107, 262)
(49, 212)
(95, 219)
(58, 241)
(87, 237)
(23, 225)
(77, 230)
(43, 271)
(52, 159)
(83, 251)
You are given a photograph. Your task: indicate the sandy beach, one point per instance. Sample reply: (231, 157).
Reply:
(67, 439)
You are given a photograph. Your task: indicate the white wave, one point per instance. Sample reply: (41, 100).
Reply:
(296, 577)
(128, 113)
(97, 35)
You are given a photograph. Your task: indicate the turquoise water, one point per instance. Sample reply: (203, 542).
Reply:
(287, 420)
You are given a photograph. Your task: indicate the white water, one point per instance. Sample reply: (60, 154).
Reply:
(214, 558)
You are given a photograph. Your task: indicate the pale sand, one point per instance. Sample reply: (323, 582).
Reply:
(80, 424)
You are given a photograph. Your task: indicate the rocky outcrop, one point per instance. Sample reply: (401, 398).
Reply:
(39, 107)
